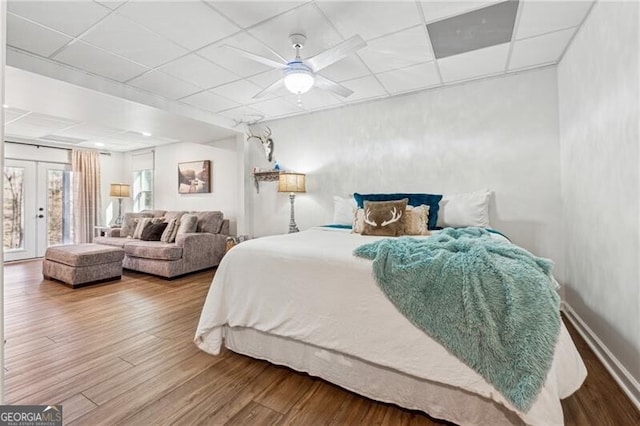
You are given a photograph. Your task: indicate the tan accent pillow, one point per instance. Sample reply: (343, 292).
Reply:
(130, 223)
(188, 224)
(358, 221)
(384, 218)
(415, 220)
(172, 226)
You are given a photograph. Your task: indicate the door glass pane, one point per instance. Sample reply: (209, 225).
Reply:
(13, 224)
(59, 207)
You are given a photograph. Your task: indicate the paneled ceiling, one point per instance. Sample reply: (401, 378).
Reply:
(174, 49)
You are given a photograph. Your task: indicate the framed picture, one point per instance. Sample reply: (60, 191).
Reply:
(194, 177)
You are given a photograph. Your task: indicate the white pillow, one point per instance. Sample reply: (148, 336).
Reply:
(462, 210)
(343, 210)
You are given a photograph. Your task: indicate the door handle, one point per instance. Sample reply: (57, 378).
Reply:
(40, 216)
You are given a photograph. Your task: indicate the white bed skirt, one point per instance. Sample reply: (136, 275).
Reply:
(373, 381)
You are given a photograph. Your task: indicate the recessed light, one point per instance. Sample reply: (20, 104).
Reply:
(5, 106)
(147, 134)
(98, 144)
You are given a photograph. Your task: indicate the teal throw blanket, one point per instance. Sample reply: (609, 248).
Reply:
(489, 302)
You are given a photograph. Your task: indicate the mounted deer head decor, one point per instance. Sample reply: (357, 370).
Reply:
(265, 140)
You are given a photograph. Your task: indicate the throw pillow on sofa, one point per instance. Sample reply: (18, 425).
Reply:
(153, 231)
(130, 223)
(143, 223)
(188, 224)
(169, 234)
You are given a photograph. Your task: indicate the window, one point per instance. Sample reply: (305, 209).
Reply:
(142, 190)
(143, 165)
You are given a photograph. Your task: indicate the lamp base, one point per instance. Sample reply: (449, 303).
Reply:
(118, 221)
(292, 222)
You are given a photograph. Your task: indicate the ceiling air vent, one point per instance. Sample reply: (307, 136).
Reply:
(481, 28)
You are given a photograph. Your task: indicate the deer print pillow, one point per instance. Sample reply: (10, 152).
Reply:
(385, 218)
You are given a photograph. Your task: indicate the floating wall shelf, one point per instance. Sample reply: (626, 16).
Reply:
(268, 176)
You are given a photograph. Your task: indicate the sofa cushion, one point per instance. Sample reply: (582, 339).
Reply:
(111, 241)
(155, 213)
(174, 215)
(209, 221)
(153, 250)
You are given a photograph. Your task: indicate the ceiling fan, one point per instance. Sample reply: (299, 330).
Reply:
(299, 75)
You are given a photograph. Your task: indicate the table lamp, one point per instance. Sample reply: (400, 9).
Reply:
(120, 191)
(291, 183)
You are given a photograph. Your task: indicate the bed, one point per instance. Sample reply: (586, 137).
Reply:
(304, 301)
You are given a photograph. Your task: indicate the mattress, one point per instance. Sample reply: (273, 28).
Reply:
(309, 288)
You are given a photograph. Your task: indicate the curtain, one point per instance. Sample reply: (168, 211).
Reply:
(86, 194)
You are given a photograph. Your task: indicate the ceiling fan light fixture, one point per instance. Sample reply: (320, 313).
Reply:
(298, 79)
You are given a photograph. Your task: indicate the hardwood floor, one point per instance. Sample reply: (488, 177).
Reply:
(122, 353)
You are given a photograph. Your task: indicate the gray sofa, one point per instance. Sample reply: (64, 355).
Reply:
(190, 252)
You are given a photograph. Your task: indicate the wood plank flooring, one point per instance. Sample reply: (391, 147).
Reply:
(122, 353)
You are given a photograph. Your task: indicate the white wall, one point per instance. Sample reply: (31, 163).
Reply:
(500, 133)
(226, 196)
(599, 90)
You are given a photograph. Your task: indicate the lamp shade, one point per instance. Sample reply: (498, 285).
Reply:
(120, 190)
(291, 182)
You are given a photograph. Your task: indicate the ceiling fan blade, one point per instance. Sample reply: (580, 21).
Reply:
(326, 84)
(337, 52)
(257, 58)
(275, 86)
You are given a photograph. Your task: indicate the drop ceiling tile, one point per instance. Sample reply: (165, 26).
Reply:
(209, 101)
(111, 4)
(88, 131)
(267, 78)
(247, 13)
(37, 125)
(315, 99)
(411, 78)
(11, 114)
(346, 69)
(199, 71)
(276, 108)
(540, 50)
(364, 88)
(190, 24)
(119, 35)
(438, 10)
(70, 17)
(234, 61)
(241, 91)
(305, 19)
(370, 19)
(243, 114)
(164, 85)
(33, 38)
(541, 17)
(98, 61)
(479, 63)
(397, 50)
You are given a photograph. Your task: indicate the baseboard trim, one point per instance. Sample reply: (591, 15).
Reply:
(620, 374)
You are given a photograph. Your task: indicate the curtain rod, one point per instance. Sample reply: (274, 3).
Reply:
(38, 146)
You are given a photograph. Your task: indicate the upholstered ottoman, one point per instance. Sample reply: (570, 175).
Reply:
(82, 264)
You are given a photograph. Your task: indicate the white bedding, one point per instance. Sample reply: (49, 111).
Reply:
(309, 287)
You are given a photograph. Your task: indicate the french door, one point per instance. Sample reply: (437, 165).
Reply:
(38, 208)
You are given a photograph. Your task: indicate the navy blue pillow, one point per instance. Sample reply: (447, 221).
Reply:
(432, 200)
